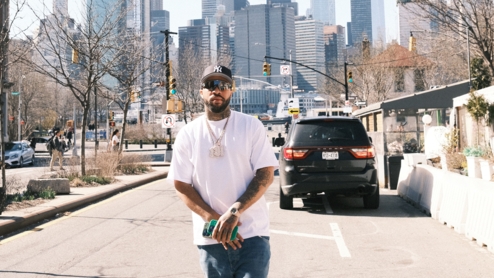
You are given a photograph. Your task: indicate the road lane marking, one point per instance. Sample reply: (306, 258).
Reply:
(69, 215)
(340, 242)
(327, 207)
(301, 234)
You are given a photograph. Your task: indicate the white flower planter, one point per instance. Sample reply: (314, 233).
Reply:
(473, 164)
(486, 170)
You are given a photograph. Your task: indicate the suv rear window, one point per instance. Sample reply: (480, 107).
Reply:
(329, 133)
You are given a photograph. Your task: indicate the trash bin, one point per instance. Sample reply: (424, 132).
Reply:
(394, 166)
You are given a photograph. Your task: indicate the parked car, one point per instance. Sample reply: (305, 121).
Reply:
(330, 155)
(18, 153)
(41, 143)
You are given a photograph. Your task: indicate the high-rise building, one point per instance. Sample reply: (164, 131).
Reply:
(209, 7)
(209, 37)
(156, 5)
(324, 11)
(368, 21)
(263, 30)
(284, 3)
(310, 52)
(349, 33)
(334, 42)
(61, 8)
(409, 21)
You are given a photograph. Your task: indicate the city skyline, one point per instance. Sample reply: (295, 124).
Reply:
(26, 20)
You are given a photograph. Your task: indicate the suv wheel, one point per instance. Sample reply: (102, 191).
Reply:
(286, 202)
(372, 201)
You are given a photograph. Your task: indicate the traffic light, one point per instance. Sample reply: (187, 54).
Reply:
(172, 85)
(350, 77)
(412, 44)
(265, 68)
(75, 56)
(132, 96)
(111, 115)
(269, 69)
(112, 123)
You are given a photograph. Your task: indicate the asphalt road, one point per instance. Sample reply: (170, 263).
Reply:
(146, 232)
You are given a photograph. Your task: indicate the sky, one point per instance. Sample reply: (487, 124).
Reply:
(181, 12)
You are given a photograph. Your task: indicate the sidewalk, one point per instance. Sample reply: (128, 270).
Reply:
(14, 220)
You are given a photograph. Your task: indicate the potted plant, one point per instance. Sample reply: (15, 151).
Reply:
(474, 155)
(450, 158)
(486, 164)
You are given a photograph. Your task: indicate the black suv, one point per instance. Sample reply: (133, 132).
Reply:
(330, 155)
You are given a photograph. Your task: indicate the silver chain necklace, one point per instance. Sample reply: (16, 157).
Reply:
(216, 150)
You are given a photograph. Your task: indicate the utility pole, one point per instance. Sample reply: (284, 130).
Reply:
(346, 82)
(167, 80)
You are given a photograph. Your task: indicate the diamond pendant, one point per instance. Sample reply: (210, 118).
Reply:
(216, 151)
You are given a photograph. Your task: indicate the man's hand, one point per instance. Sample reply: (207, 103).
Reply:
(223, 231)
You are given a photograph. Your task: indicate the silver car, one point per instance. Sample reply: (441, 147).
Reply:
(18, 154)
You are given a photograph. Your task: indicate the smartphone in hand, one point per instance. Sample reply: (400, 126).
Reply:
(209, 227)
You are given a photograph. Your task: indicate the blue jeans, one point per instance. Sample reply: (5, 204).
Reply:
(250, 261)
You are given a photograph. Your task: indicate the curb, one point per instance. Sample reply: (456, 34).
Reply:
(17, 223)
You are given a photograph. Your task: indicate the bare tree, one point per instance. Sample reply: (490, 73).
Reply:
(463, 18)
(129, 71)
(13, 9)
(90, 45)
(189, 75)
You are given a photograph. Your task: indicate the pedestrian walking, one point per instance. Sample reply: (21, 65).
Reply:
(286, 127)
(32, 143)
(69, 136)
(57, 148)
(115, 141)
(222, 165)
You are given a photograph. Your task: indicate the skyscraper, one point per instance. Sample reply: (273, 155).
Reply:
(209, 7)
(310, 52)
(368, 21)
(61, 8)
(156, 5)
(334, 42)
(263, 30)
(324, 11)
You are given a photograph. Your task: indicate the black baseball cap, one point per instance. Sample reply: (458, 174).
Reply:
(217, 72)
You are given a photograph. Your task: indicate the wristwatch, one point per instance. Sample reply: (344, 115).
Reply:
(234, 211)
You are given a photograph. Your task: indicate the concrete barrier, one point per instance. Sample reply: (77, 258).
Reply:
(59, 185)
(480, 218)
(461, 202)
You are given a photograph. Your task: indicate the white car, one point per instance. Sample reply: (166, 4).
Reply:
(18, 154)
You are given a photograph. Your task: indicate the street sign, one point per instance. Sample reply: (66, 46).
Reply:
(293, 103)
(347, 103)
(293, 111)
(168, 121)
(361, 103)
(347, 109)
(285, 70)
(15, 93)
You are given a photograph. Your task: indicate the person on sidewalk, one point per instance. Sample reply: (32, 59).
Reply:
(115, 141)
(222, 164)
(57, 148)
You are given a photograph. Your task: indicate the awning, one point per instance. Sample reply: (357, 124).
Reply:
(441, 97)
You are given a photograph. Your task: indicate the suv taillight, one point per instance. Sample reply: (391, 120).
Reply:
(295, 154)
(367, 152)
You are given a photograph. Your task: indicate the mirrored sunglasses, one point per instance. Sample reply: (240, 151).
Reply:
(212, 84)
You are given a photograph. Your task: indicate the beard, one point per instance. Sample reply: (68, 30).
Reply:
(217, 108)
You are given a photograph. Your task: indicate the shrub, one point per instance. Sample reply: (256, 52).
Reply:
(475, 151)
(47, 194)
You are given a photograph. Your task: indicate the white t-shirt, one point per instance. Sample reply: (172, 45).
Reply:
(115, 140)
(220, 181)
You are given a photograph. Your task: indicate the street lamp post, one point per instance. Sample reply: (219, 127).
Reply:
(19, 131)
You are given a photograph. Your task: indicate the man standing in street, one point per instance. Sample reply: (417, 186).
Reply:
(221, 167)
(57, 149)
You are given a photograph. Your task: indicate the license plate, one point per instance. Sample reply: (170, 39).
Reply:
(330, 155)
